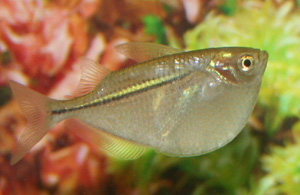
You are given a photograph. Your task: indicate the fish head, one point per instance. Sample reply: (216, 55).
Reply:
(238, 65)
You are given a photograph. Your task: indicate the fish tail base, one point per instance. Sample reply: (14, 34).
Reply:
(33, 106)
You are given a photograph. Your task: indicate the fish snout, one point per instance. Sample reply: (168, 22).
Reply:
(263, 57)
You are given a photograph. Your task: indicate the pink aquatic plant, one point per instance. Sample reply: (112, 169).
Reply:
(44, 38)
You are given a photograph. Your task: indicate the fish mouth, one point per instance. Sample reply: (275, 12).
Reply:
(263, 57)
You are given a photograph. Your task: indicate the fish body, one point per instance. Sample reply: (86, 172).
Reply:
(179, 103)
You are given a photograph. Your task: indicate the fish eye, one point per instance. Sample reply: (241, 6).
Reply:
(246, 63)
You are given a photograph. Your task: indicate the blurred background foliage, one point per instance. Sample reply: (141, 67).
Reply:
(40, 45)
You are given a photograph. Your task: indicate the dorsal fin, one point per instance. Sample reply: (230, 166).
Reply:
(91, 74)
(114, 145)
(141, 51)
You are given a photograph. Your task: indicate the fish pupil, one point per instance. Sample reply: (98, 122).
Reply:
(247, 62)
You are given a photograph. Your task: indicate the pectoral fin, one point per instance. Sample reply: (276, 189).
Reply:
(141, 51)
(114, 145)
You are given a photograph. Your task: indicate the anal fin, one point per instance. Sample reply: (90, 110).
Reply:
(113, 145)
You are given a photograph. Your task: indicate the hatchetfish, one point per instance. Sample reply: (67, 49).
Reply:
(179, 103)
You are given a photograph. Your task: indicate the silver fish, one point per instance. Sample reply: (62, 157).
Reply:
(179, 103)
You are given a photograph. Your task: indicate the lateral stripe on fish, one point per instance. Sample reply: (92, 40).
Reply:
(147, 85)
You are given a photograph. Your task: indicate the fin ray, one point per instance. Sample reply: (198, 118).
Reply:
(91, 74)
(32, 104)
(112, 144)
(141, 51)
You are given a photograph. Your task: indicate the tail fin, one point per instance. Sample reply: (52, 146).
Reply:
(33, 106)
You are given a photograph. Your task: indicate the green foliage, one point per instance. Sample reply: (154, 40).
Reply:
(267, 27)
(229, 7)
(154, 26)
(5, 58)
(5, 95)
(283, 169)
